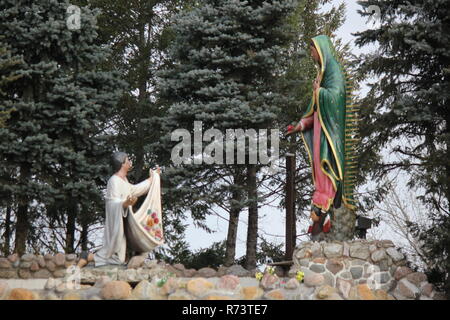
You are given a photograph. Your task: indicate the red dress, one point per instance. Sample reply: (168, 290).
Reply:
(324, 191)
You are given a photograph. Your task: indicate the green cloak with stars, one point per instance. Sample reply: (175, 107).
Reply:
(338, 116)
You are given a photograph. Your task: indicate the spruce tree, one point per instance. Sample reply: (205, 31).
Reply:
(224, 74)
(54, 141)
(409, 106)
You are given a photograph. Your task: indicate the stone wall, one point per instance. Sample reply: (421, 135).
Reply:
(357, 270)
(361, 269)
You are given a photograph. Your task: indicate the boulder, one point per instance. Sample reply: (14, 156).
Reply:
(238, 271)
(395, 254)
(228, 283)
(313, 279)
(59, 259)
(416, 278)
(136, 262)
(116, 290)
(325, 292)
(334, 266)
(21, 294)
(332, 250)
(407, 289)
(206, 273)
(252, 293)
(270, 281)
(378, 255)
(402, 272)
(360, 251)
(276, 294)
(5, 263)
(198, 287)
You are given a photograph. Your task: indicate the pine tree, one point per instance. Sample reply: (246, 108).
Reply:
(54, 141)
(224, 71)
(409, 106)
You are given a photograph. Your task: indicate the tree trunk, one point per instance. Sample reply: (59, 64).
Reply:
(7, 233)
(252, 231)
(84, 231)
(235, 210)
(72, 211)
(22, 225)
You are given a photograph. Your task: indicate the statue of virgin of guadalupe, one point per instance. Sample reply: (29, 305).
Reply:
(327, 128)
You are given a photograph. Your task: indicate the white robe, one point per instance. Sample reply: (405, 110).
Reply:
(114, 241)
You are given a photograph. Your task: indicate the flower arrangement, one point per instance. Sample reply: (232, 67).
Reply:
(300, 276)
(259, 276)
(271, 270)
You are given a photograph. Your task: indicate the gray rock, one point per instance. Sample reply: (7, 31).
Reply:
(407, 289)
(329, 279)
(357, 262)
(8, 274)
(346, 250)
(41, 261)
(59, 259)
(136, 262)
(100, 282)
(383, 265)
(24, 274)
(316, 250)
(427, 289)
(402, 272)
(395, 254)
(345, 275)
(304, 253)
(238, 270)
(332, 250)
(360, 251)
(13, 257)
(71, 257)
(149, 264)
(318, 268)
(385, 277)
(42, 274)
(416, 278)
(356, 272)
(304, 262)
(25, 264)
(207, 273)
(27, 257)
(378, 255)
(129, 275)
(5, 263)
(292, 284)
(189, 273)
(314, 279)
(60, 273)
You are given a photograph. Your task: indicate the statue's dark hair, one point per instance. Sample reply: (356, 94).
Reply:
(117, 159)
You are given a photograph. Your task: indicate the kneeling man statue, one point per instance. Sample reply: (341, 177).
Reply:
(121, 195)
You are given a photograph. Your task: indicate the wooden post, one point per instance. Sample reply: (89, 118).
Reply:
(291, 232)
